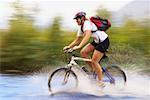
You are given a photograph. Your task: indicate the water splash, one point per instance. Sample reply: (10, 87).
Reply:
(35, 87)
(137, 85)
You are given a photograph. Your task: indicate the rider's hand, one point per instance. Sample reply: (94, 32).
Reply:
(76, 47)
(66, 48)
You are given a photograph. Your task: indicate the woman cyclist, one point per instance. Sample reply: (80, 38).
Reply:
(99, 45)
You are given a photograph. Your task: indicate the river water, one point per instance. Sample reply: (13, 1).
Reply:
(34, 87)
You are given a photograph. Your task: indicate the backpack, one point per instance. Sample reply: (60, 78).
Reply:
(101, 24)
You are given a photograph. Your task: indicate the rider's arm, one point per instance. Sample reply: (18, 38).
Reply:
(86, 38)
(75, 42)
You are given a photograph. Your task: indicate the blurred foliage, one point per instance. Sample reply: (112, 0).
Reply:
(103, 12)
(132, 33)
(26, 48)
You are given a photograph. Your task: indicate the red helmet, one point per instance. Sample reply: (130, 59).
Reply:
(79, 15)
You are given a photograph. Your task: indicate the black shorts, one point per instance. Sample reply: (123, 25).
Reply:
(103, 46)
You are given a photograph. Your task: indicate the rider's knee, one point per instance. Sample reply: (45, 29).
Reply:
(93, 61)
(83, 53)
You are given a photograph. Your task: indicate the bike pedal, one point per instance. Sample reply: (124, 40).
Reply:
(85, 70)
(101, 84)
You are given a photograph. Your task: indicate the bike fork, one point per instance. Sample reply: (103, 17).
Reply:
(66, 76)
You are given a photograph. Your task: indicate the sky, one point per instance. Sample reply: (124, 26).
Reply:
(48, 9)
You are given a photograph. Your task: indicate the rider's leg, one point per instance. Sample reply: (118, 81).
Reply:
(85, 52)
(97, 55)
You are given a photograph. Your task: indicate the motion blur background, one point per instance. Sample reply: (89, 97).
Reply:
(33, 33)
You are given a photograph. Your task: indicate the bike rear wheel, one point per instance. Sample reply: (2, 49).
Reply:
(62, 79)
(115, 75)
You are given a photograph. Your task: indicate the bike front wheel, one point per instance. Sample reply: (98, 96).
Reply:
(62, 79)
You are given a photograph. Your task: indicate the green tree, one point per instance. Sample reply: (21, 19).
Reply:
(103, 12)
(55, 28)
(18, 50)
(55, 41)
(21, 22)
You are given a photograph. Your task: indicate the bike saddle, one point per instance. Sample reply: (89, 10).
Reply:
(104, 56)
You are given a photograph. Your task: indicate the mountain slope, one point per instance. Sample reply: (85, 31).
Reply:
(137, 9)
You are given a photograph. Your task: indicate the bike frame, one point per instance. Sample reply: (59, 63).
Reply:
(73, 62)
(73, 58)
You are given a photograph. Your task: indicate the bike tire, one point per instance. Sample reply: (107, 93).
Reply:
(55, 84)
(117, 74)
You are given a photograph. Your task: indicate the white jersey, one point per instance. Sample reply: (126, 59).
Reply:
(98, 36)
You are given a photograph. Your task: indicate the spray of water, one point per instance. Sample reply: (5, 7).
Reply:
(138, 85)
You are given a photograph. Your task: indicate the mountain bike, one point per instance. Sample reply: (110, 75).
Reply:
(66, 78)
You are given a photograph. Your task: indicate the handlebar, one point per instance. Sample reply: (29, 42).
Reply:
(69, 50)
(68, 54)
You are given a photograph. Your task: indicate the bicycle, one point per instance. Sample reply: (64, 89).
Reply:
(112, 74)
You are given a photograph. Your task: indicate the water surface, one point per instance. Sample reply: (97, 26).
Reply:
(34, 87)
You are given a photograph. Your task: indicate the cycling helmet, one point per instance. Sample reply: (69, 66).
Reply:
(79, 15)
